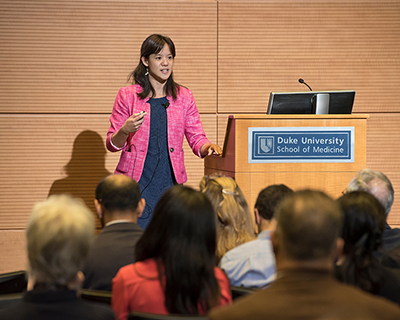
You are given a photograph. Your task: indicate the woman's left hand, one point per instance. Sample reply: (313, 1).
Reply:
(210, 148)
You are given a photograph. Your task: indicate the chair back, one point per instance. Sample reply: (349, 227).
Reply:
(136, 315)
(96, 295)
(241, 291)
(13, 282)
(7, 300)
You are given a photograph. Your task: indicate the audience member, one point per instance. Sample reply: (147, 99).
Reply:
(118, 205)
(391, 258)
(306, 242)
(378, 184)
(252, 264)
(59, 234)
(364, 221)
(175, 271)
(235, 224)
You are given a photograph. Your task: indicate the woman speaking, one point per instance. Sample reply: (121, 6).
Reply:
(148, 122)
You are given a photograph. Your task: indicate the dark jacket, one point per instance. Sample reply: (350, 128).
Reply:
(62, 304)
(113, 248)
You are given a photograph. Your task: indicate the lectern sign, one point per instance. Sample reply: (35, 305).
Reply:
(301, 144)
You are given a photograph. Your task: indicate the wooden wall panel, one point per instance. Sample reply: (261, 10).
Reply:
(194, 165)
(51, 154)
(67, 60)
(62, 153)
(12, 247)
(384, 153)
(266, 46)
(73, 56)
(56, 154)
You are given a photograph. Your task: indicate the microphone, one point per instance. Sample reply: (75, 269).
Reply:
(303, 82)
(165, 105)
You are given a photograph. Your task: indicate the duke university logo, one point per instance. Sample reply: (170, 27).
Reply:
(266, 145)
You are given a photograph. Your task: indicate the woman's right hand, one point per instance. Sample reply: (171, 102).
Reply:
(133, 123)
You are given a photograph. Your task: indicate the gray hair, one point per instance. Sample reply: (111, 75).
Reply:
(59, 234)
(363, 182)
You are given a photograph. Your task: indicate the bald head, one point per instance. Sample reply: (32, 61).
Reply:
(309, 223)
(118, 193)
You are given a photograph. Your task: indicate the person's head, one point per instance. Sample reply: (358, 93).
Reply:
(181, 238)
(234, 222)
(309, 225)
(267, 201)
(364, 222)
(59, 234)
(375, 183)
(156, 63)
(118, 197)
(204, 180)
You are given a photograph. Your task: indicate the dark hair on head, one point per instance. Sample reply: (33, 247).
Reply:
(309, 222)
(118, 193)
(181, 238)
(269, 198)
(364, 222)
(153, 45)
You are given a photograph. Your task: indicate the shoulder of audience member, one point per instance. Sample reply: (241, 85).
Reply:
(242, 251)
(100, 311)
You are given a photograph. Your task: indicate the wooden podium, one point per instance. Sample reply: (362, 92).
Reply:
(331, 177)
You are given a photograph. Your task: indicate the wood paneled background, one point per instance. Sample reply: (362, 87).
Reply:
(62, 63)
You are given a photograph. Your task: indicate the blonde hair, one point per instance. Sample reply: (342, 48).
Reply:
(234, 222)
(59, 234)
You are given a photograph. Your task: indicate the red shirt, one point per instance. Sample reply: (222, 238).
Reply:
(136, 287)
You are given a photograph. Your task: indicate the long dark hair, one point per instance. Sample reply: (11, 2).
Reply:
(364, 221)
(152, 45)
(181, 238)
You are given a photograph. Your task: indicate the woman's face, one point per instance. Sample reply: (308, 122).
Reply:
(160, 65)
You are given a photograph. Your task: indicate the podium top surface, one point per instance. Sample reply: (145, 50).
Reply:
(300, 116)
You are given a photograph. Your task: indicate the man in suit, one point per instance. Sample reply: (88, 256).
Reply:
(118, 204)
(306, 243)
(379, 185)
(252, 264)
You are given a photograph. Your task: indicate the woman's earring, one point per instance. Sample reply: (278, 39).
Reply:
(147, 72)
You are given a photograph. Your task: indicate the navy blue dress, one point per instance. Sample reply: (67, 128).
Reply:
(157, 175)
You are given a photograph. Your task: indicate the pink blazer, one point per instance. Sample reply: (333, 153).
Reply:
(182, 120)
